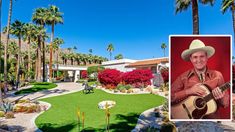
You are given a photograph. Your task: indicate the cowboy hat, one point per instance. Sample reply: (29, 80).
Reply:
(197, 45)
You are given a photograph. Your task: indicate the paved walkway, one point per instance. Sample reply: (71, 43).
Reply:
(61, 89)
(25, 122)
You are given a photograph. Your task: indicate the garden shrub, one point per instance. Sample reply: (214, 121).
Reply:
(84, 74)
(122, 86)
(111, 77)
(138, 78)
(2, 113)
(93, 72)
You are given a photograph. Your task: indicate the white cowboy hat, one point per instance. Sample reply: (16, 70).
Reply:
(197, 45)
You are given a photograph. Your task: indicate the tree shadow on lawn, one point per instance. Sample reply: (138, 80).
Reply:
(49, 127)
(125, 124)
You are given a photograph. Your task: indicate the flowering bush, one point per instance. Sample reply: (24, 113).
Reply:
(109, 77)
(138, 78)
(84, 74)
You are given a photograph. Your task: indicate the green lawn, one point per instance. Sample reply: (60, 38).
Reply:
(61, 117)
(39, 86)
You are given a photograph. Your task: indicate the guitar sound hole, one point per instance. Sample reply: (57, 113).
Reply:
(200, 103)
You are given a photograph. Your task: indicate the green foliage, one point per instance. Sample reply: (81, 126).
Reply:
(2, 113)
(123, 87)
(93, 83)
(94, 69)
(6, 107)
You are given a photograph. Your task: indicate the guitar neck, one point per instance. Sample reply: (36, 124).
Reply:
(222, 88)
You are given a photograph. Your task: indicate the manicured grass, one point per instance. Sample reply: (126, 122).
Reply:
(38, 86)
(62, 117)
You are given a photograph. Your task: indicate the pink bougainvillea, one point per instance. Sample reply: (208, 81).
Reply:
(138, 78)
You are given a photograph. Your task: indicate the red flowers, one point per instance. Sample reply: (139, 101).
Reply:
(137, 78)
(84, 74)
(110, 77)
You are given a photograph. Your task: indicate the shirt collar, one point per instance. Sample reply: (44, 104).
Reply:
(193, 72)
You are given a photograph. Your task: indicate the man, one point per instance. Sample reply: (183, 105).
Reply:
(187, 84)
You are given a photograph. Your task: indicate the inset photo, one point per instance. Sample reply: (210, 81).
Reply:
(200, 77)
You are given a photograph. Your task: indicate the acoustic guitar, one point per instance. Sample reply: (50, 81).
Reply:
(196, 107)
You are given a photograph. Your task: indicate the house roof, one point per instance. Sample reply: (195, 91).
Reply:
(148, 62)
(116, 62)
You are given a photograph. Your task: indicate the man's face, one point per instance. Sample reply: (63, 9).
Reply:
(199, 60)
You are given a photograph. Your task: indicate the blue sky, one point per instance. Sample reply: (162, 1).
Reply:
(136, 28)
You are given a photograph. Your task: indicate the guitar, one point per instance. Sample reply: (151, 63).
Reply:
(195, 107)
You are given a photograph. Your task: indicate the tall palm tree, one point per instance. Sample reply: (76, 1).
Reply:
(40, 35)
(40, 17)
(28, 35)
(6, 44)
(163, 46)
(1, 45)
(118, 57)
(57, 42)
(182, 5)
(110, 49)
(90, 51)
(53, 17)
(229, 4)
(18, 30)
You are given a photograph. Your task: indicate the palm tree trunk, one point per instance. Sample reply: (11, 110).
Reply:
(6, 46)
(233, 15)
(43, 62)
(57, 61)
(39, 60)
(50, 65)
(110, 55)
(1, 100)
(18, 64)
(164, 52)
(29, 61)
(195, 17)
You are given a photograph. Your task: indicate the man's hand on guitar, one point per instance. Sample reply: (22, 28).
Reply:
(217, 93)
(196, 90)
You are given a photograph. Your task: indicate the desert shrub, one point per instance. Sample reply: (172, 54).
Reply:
(9, 115)
(138, 78)
(123, 87)
(110, 77)
(6, 107)
(2, 113)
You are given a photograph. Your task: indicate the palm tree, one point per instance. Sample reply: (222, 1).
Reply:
(6, 44)
(110, 49)
(39, 17)
(40, 35)
(90, 51)
(118, 57)
(1, 45)
(74, 48)
(229, 4)
(57, 42)
(163, 46)
(182, 5)
(17, 30)
(53, 17)
(28, 35)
